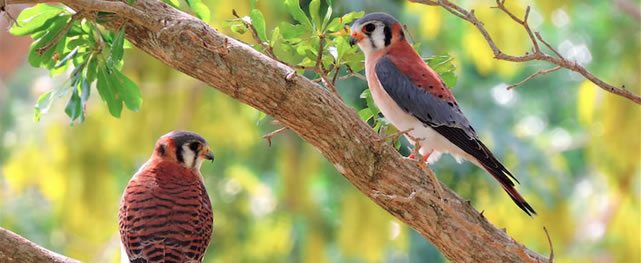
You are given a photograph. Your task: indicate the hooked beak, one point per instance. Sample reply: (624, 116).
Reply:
(209, 155)
(352, 41)
(354, 38)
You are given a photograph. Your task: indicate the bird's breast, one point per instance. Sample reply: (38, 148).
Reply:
(390, 109)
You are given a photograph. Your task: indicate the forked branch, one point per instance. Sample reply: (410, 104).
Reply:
(537, 54)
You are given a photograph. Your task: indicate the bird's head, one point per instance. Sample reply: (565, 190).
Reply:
(375, 32)
(183, 147)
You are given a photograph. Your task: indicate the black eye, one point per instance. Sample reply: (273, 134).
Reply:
(194, 146)
(369, 28)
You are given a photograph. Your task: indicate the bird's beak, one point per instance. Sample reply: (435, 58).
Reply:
(354, 38)
(209, 155)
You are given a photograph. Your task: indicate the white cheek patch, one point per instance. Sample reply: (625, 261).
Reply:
(188, 156)
(378, 37)
(199, 162)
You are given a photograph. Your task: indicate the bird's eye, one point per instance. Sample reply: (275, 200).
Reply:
(369, 28)
(194, 146)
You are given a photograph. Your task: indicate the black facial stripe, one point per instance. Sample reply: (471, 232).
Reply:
(179, 154)
(161, 150)
(388, 35)
(372, 41)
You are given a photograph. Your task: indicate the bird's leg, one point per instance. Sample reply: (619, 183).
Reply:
(438, 190)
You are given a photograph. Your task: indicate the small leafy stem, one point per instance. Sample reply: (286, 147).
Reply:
(318, 67)
(77, 16)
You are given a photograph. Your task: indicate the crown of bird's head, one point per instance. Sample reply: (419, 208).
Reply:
(375, 32)
(184, 147)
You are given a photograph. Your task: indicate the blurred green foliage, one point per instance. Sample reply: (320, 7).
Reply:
(575, 149)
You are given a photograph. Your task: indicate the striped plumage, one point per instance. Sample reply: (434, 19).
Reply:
(165, 213)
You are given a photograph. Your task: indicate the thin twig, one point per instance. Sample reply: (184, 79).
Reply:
(320, 69)
(540, 38)
(500, 4)
(3, 9)
(270, 135)
(537, 54)
(551, 257)
(336, 71)
(62, 33)
(352, 73)
(396, 135)
(538, 73)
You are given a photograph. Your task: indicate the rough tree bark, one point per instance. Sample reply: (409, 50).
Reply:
(398, 185)
(14, 248)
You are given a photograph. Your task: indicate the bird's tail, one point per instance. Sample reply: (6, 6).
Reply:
(519, 200)
(500, 173)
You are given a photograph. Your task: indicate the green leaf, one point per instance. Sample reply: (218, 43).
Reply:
(339, 22)
(92, 68)
(261, 116)
(238, 28)
(74, 106)
(314, 10)
(276, 37)
(35, 18)
(444, 68)
(365, 114)
(328, 16)
(117, 47)
(78, 42)
(367, 95)
(449, 79)
(35, 59)
(42, 105)
(174, 3)
(66, 58)
(290, 31)
(54, 54)
(200, 9)
(128, 91)
(297, 13)
(108, 91)
(85, 90)
(258, 20)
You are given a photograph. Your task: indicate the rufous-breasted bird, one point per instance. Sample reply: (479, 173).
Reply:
(412, 96)
(165, 213)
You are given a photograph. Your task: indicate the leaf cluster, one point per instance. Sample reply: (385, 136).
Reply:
(70, 42)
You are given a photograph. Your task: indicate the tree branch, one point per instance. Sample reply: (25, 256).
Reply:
(323, 120)
(14, 248)
(537, 54)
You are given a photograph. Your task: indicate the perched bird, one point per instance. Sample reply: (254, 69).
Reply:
(165, 213)
(412, 96)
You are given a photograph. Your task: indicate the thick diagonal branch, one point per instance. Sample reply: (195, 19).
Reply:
(14, 248)
(537, 53)
(320, 118)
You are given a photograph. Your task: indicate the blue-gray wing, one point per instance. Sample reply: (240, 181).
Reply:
(444, 117)
(423, 105)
